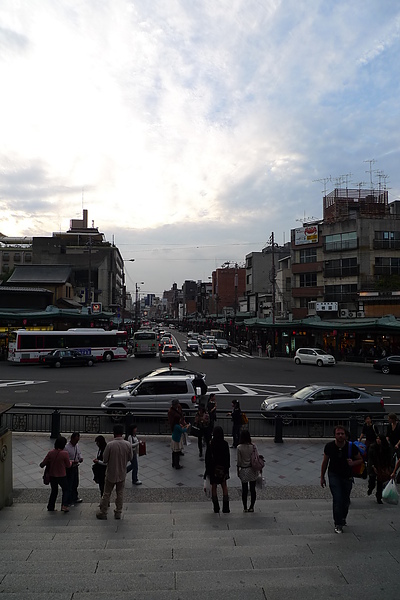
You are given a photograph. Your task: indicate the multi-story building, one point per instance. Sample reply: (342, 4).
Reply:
(261, 268)
(228, 285)
(14, 251)
(351, 259)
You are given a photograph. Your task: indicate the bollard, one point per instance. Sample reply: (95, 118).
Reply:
(55, 424)
(278, 430)
(353, 428)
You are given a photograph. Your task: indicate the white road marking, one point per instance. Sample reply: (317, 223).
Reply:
(16, 382)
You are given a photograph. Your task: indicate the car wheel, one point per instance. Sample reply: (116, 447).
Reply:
(385, 370)
(116, 415)
(90, 363)
(287, 419)
(107, 357)
(320, 363)
(57, 364)
(297, 361)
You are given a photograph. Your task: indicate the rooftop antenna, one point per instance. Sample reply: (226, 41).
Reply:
(323, 180)
(370, 171)
(360, 184)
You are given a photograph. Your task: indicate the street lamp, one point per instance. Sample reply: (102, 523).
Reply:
(136, 303)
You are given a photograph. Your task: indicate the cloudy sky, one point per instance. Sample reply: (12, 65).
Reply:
(192, 129)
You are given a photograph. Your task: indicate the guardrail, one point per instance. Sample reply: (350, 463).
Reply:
(57, 420)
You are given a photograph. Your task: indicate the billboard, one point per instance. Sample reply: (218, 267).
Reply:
(306, 235)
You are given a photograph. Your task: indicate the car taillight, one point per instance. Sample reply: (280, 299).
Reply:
(382, 402)
(375, 361)
(194, 399)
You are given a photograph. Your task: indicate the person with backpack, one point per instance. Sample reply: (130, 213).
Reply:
(246, 472)
(369, 432)
(339, 459)
(218, 462)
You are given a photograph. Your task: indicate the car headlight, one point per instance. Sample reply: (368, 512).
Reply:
(270, 406)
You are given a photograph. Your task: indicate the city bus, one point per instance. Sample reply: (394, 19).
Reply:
(145, 343)
(27, 346)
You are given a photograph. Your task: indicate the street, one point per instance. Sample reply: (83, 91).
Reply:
(235, 375)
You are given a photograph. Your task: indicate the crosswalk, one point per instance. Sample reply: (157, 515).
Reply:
(232, 355)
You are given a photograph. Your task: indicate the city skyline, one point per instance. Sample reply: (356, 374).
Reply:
(191, 131)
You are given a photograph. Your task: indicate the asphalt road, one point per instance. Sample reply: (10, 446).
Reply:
(237, 375)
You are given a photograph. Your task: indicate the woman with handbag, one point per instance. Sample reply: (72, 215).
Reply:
(379, 466)
(57, 462)
(99, 467)
(134, 462)
(246, 473)
(218, 462)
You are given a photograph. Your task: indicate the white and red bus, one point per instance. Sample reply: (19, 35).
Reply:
(27, 346)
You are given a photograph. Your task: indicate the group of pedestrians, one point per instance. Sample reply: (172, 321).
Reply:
(342, 457)
(112, 463)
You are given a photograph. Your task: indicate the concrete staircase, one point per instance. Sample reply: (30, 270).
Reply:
(183, 550)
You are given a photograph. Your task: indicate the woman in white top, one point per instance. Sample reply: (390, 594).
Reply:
(134, 462)
(246, 473)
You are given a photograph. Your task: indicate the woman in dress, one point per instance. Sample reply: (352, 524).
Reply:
(247, 475)
(176, 442)
(99, 467)
(218, 462)
(57, 461)
(134, 466)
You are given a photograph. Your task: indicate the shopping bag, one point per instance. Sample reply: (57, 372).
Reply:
(46, 476)
(390, 493)
(207, 487)
(195, 431)
(142, 448)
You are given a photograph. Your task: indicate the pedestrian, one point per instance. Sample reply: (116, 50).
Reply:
(57, 462)
(117, 454)
(236, 418)
(250, 347)
(175, 414)
(393, 435)
(75, 457)
(259, 347)
(218, 462)
(99, 466)
(133, 466)
(247, 475)
(369, 432)
(176, 442)
(339, 462)
(212, 410)
(269, 350)
(202, 420)
(379, 466)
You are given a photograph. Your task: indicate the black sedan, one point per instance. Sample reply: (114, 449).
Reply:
(197, 376)
(388, 364)
(323, 397)
(67, 358)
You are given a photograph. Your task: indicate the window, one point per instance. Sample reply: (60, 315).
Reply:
(308, 280)
(28, 258)
(341, 293)
(308, 255)
(342, 267)
(387, 266)
(6, 257)
(341, 241)
(387, 239)
(288, 284)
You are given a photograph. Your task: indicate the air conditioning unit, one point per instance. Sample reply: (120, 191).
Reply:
(351, 314)
(360, 314)
(344, 313)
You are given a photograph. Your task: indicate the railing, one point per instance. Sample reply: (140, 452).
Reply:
(64, 420)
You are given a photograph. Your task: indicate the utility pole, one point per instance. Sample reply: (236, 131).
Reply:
(272, 278)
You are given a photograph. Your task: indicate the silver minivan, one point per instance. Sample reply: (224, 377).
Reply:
(152, 393)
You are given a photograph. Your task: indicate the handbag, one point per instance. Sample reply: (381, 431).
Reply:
(142, 448)
(195, 431)
(46, 476)
(256, 460)
(384, 474)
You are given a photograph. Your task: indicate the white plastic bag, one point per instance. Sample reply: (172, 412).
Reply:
(390, 493)
(207, 487)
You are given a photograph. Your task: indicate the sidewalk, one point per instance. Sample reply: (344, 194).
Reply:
(292, 470)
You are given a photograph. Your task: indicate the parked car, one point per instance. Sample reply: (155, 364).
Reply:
(171, 353)
(192, 345)
(222, 345)
(152, 393)
(207, 350)
(313, 356)
(67, 358)
(329, 398)
(388, 364)
(163, 372)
